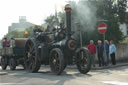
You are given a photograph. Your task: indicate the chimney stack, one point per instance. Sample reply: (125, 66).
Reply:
(68, 10)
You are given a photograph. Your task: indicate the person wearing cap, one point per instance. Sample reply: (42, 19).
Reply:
(100, 50)
(37, 29)
(107, 52)
(112, 50)
(48, 29)
(92, 49)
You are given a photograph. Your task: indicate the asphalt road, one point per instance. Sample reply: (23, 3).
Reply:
(113, 76)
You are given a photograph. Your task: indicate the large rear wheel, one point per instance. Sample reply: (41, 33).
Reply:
(56, 61)
(83, 60)
(32, 63)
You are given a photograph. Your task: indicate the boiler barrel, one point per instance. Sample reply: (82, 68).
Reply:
(20, 42)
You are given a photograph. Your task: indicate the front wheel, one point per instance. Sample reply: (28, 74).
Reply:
(83, 60)
(12, 64)
(56, 61)
(4, 63)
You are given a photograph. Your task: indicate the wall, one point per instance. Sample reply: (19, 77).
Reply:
(122, 53)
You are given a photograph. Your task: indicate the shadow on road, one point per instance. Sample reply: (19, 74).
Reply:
(48, 75)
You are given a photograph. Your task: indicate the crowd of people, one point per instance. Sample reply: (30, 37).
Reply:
(105, 52)
(8, 43)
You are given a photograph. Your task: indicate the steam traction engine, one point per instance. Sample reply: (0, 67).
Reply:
(58, 52)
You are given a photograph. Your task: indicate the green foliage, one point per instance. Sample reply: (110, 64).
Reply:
(124, 42)
(110, 10)
(21, 34)
(15, 34)
(51, 20)
(121, 10)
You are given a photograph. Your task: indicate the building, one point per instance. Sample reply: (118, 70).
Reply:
(21, 25)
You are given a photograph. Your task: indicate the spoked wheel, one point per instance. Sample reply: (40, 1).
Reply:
(4, 63)
(56, 61)
(32, 63)
(83, 60)
(12, 64)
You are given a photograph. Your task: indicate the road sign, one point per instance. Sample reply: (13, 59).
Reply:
(102, 28)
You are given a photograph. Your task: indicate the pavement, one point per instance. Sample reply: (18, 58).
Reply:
(103, 67)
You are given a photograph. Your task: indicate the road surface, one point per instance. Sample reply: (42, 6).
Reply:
(113, 76)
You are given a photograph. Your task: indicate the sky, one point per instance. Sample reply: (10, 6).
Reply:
(34, 10)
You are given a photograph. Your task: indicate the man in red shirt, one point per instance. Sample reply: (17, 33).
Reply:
(92, 49)
(5, 43)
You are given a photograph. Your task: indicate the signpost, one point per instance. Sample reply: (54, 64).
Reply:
(102, 28)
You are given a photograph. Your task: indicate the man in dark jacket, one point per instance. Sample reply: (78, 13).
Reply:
(107, 52)
(37, 29)
(100, 50)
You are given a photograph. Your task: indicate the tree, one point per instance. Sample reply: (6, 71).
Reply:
(89, 13)
(51, 20)
(108, 11)
(15, 34)
(21, 34)
(121, 10)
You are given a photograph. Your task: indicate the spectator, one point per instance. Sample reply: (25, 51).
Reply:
(92, 49)
(100, 50)
(112, 50)
(12, 42)
(37, 29)
(107, 52)
(5, 43)
(48, 29)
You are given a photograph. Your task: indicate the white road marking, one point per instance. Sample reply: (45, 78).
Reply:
(124, 74)
(10, 83)
(115, 82)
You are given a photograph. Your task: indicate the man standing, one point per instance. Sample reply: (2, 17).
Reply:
(100, 50)
(92, 49)
(12, 42)
(107, 52)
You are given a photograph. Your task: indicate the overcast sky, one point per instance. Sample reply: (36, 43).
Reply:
(35, 11)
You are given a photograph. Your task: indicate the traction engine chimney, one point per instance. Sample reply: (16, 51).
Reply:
(68, 20)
